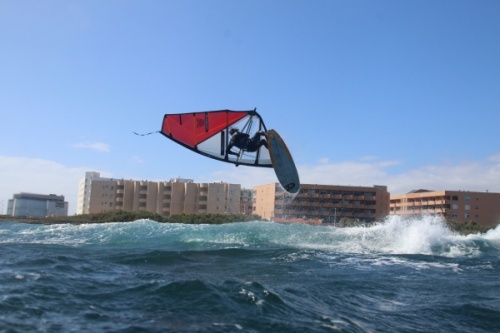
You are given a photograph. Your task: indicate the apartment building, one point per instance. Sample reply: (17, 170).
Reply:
(37, 205)
(321, 203)
(246, 203)
(176, 196)
(83, 201)
(461, 206)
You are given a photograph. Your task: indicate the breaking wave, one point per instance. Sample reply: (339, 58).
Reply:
(424, 235)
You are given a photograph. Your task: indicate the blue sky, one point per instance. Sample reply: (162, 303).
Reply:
(399, 93)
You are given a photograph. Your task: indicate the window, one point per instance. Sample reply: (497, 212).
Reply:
(467, 207)
(454, 206)
(467, 215)
(467, 198)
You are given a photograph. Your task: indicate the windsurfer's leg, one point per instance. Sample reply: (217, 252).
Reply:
(257, 142)
(257, 135)
(262, 143)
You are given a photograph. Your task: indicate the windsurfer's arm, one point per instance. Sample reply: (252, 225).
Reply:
(229, 147)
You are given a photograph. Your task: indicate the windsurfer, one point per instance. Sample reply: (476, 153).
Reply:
(244, 142)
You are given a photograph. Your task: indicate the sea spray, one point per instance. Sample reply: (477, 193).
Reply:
(412, 235)
(427, 235)
(401, 275)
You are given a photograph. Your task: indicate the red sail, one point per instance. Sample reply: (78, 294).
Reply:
(192, 128)
(207, 133)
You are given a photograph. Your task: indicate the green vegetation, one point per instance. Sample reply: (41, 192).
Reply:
(210, 218)
(116, 216)
(346, 222)
(124, 216)
(465, 228)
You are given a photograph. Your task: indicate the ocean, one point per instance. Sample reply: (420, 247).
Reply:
(402, 275)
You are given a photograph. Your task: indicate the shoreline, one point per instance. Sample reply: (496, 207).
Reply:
(460, 228)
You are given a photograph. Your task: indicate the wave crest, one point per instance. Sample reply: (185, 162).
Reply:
(425, 235)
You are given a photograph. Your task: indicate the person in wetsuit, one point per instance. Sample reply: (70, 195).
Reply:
(244, 142)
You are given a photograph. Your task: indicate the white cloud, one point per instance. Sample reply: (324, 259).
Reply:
(20, 174)
(465, 175)
(136, 160)
(495, 158)
(97, 146)
(248, 177)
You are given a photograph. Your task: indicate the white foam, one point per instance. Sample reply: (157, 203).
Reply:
(427, 235)
(493, 234)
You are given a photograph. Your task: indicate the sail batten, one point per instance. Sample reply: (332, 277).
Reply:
(207, 133)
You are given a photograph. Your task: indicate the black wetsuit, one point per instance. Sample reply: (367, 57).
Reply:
(243, 141)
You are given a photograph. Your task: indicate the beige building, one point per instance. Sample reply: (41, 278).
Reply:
(246, 202)
(177, 196)
(326, 203)
(461, 206)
